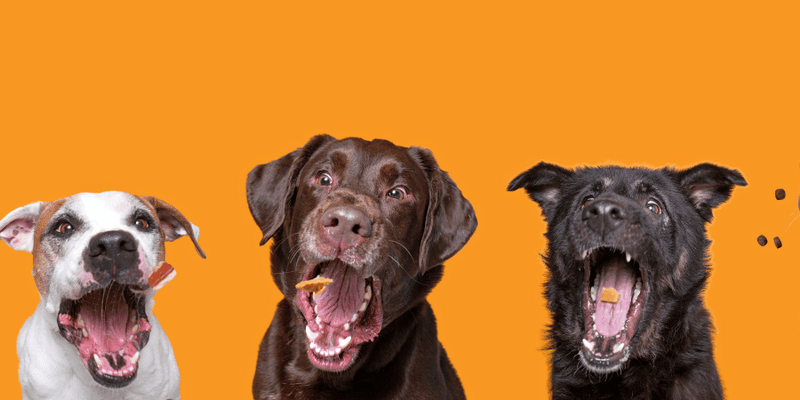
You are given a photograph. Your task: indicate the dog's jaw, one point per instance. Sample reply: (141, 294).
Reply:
(337, 325)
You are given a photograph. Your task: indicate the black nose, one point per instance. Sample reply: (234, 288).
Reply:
(111, 252)
(604, 216)
(346, 227)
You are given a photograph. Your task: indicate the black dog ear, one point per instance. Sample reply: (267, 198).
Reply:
(544, 184)
(708, 186)
(450, 220)
(270, 186)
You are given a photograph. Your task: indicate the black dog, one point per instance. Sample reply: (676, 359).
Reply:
(379, 220)
(638, 234)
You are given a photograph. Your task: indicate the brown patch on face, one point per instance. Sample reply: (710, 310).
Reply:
(44, 255)
(161, 250)
(339, 161)
(389, 173)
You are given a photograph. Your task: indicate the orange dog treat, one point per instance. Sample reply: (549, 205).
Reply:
(161, 275)
(609, 295)
(315, 285)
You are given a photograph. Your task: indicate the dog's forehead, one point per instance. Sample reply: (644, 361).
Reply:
(623, 180)
(100, 208)
(379, 158)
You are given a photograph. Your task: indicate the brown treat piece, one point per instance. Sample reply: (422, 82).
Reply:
(762, 240)
(161, 275)
(780, 194)
(315, 285)
(777, 241)
(610, 295)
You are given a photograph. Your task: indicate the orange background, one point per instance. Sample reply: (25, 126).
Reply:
(181, 99)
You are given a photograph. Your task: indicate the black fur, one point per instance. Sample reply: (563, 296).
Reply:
(658, 217)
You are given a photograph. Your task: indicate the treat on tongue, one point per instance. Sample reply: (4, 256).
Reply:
(610, 295)
(316, 285)
(617, 275)
(161, 275)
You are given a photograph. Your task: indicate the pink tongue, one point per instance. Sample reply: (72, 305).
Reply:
(618, 275)
(105, 315)
(342, 298)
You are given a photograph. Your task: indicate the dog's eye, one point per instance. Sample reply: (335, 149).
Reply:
(398, 193)
(324, 179)
(586, 201)
(141, 224)
(653, 206)
(65, 228)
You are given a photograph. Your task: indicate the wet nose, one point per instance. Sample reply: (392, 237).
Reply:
(603, 216)
(346, 227)
(112, 252)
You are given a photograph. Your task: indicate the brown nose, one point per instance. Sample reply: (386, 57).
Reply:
(604, 216)
(346, 227)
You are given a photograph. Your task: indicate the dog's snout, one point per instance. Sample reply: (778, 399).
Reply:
(113, 255)
(111, 244)
(604, 215)
(346, 226)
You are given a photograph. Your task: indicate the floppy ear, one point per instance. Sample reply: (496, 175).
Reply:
(16, 228)
(174, 224)
(708, 186)
(270, 186)
(450, 219)
(544, 184)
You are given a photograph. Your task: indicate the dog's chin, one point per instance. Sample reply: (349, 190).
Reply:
(108, 327)
(610, 326)
(338, 320)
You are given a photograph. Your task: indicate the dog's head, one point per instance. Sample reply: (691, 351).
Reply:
(92, 256)
(377, 219)
(632, 233)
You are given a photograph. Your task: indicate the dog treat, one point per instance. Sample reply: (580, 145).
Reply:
(315, 285)
(780, 194)
(762, 240)
(777, 242)
(610, 295)
(161, 275)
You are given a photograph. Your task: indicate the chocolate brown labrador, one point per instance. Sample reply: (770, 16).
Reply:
(378, 220)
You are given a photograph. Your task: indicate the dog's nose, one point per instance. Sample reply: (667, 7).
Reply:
(604, 216)
(112, 252)
(346, 227)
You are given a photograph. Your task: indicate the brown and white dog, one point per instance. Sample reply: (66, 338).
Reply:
(93, 335)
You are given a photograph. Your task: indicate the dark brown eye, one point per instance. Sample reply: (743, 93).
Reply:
(65, 228)
(324, 179)
(653, 206)
(398, 193)
(141, 224)
(586, 200)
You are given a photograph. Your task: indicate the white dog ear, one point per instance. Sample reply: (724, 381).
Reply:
(174, 224)
(16, 228)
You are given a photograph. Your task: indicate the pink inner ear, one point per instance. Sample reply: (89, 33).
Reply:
(16, 232)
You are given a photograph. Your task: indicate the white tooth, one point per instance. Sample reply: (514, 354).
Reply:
(363, 307)
(312, 345)
(594, 294)
(80, 320)
(589, 345)
(316, 311)
(85, 332)
(627, 257)
(338, 350)
(318, 320)
(618, 347)
(133, 317)
(368, 294)
(311, 334)
(636, 294)
(344, 342)
(355, 316)
(347, 326)
(97, 360)
(638, 285)
(135, 328)
(134, 359)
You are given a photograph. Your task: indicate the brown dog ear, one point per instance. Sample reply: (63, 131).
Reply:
(708, 185)
(544, 184)
(270, 186)
(173, 224)
(450, 220)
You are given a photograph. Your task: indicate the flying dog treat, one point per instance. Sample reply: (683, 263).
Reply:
(609, 295)
(315, 285)
(161, 275)
(780, 194)
(777, 242)
(762, 240)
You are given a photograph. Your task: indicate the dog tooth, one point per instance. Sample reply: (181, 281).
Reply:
(368, 294)
(347, 326)
(318, 320)
(97, 360)
(311, 334)
(316, 311)
(627, 256)
(79, 321)
(84, 332)
(363, 307)
(338, 350)
(618, 347)
(355, 316)
(589, 345)
(344, 342)
(594, 293)
(636, 294)
(134, 359)
(135, 328)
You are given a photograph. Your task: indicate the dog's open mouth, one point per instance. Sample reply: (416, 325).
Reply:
(344, 315)
(609, 325)
(109, 327)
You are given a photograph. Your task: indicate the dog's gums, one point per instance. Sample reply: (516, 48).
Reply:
(109, 327)
(342, 317)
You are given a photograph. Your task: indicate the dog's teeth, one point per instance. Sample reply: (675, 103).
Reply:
(344, 342)
(133, 317)
(589, 345)
(134, 359)
(347, 326)
(97, 360)
(594, 293)
(368, 293)
(638, 285)
(618, 347)
(627, 257)
(318, 320)
(135, 328)
(311, 334)
(79, 321)
(338, 350)
(316, 311)
(84, 332)
(636, 294)
(363, 307)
